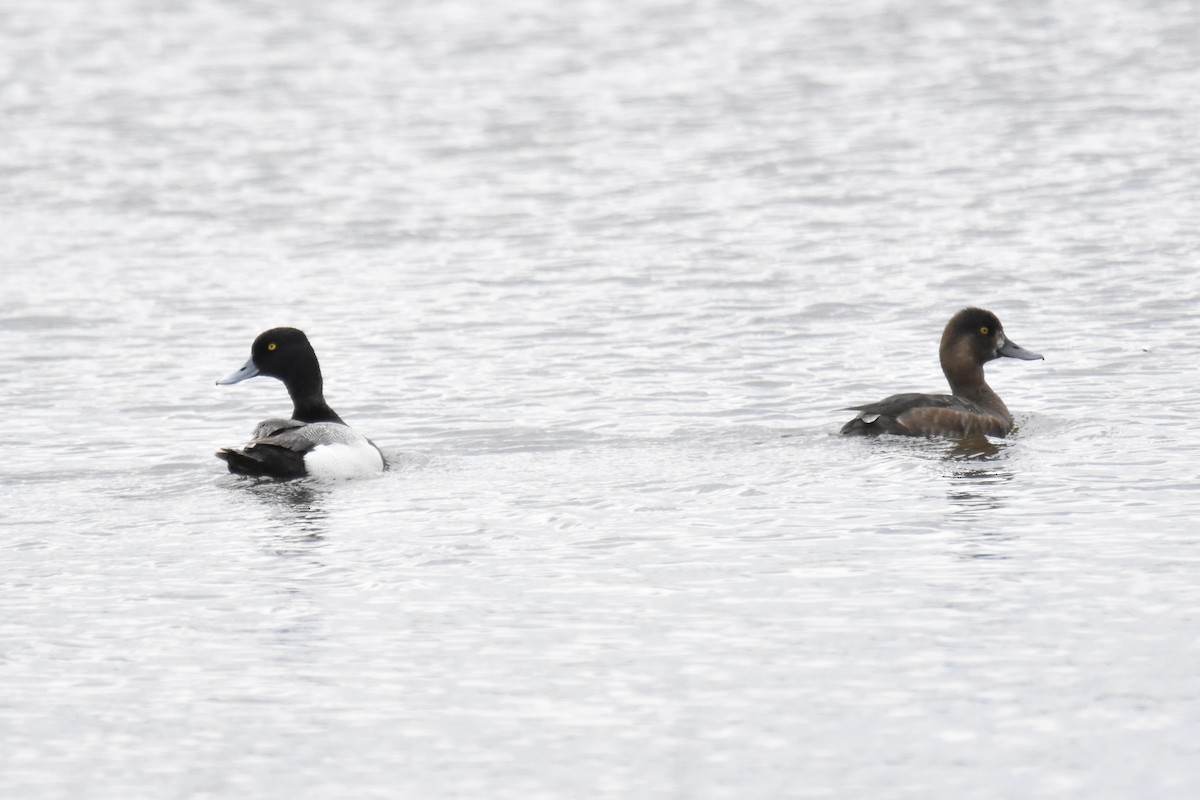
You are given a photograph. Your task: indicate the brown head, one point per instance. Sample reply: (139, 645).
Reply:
(972, 338)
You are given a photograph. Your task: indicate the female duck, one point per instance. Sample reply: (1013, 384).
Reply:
(315, 441)
(972, 338)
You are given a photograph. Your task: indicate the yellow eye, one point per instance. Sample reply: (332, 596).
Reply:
(983, 330)
(271, 346)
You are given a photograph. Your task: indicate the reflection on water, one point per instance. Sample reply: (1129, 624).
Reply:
(978, 472)
(298, 507)
(977, 468)
(974, 447)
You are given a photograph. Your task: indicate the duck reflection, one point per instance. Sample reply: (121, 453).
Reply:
(298, 507)
(296, 534)
(977, 448)
(977, 471)
(976, 468)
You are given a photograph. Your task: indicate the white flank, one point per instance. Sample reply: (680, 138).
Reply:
(337, 461)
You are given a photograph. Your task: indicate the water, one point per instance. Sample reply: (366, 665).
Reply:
(598, 278)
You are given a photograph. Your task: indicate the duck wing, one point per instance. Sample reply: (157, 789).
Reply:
(917, 414)
(273, 427)
(278, 447)
(276, 450)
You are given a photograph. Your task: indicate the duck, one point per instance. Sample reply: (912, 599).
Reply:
(972, 337)
(315, 441)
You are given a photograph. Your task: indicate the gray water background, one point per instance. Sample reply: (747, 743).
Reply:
(598, 277)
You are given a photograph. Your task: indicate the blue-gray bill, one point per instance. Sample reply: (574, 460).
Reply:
(248, 370)
(1014, 350)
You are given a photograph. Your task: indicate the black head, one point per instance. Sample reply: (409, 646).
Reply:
(284, 353)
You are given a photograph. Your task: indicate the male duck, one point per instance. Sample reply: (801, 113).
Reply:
(972, 337)
(315, 441)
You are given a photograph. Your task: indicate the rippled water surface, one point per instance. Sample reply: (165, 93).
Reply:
(598, 278)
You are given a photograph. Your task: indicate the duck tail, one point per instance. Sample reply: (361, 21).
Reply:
(263, 460)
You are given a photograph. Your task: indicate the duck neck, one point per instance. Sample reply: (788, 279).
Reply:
(308, 401)
(969, 384)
